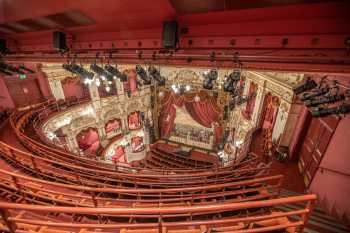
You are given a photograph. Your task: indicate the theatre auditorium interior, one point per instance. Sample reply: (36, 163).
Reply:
(174, 116)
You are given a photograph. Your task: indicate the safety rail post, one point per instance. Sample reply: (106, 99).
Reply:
(160, 225)
(18, 186)
(5, 214)
(93, 197)
(33, 163)
(305, 216)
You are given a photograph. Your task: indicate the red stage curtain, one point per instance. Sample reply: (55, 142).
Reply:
(134, 121)
(132, 81)
(271, 112)
(119, 153)
(88, 139)
(204, 112)
(112, 125)
(218, 130)
(251, 102)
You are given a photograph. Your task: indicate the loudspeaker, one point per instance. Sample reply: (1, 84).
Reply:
(59, 40)
(170, 37)
(3, 46)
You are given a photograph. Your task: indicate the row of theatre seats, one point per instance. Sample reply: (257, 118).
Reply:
(46, 189)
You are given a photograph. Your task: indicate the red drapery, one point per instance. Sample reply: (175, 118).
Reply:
(119, 154)
(137, 144)
(134, 121)
(270, 115)
(112, 125)
(88, 140)
(251, 102)
(132, 77)
(203, 110)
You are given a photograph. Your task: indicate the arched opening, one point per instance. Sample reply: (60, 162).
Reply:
(88, 140)
(134, 120)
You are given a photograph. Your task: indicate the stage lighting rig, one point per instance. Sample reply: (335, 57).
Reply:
(116, 73)
(322, 89)
(79, 70)
(26, 69)
(209, 77)
(143, 75)
(321, 112)
(230, 81)
(155, 74)
(5, 72)
(325, 100)
(330, 98)
(242, 100)
(309, 84)
(101, 72)
(10, 68)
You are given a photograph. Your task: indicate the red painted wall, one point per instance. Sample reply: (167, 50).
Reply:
(44, 85)
(334, 186)
(5, 97)
(73, 90)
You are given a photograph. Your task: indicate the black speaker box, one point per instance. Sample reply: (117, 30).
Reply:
(3, 46)
(59, 40)
(170, 34)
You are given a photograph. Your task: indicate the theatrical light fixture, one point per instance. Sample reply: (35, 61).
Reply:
(306, 86)
(5, 72)
(325, 100)
(143, 75)
(311, 95)
(98, 82)
(322, 89)
(26, 69)
(79, 70)
(8, 68)
(230, 81)
(209, 77)
(155, 74)
(321, 112)
(101, 72)
(116, 73)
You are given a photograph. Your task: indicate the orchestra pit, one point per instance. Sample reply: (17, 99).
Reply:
(174, 116)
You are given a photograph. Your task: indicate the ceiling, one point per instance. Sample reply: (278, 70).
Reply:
(21, 16)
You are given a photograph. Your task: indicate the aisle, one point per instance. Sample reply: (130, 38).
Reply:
(319, 221)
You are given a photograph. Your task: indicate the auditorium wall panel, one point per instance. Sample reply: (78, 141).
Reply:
(332, 179)
(5, 97)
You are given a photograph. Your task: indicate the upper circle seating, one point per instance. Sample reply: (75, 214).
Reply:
(52, 191)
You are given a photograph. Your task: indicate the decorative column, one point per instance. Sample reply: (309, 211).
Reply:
(281, 119)
(56, 88)
(72, 143)
(101, 132)
(95, 97)
(259, 102)
(120, 86)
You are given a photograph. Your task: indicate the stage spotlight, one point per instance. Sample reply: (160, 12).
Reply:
(101, 72)
(209, 77)
(321, 112)
(6, 72)
(155, 74)
(116, 73)
(143, 75)
(230, 81)
(325, 100)
(311, 95)
(10, 68)
(26, 69)
(306, 86)
(79, 70)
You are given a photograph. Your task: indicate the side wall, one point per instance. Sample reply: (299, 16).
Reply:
(332, 180)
